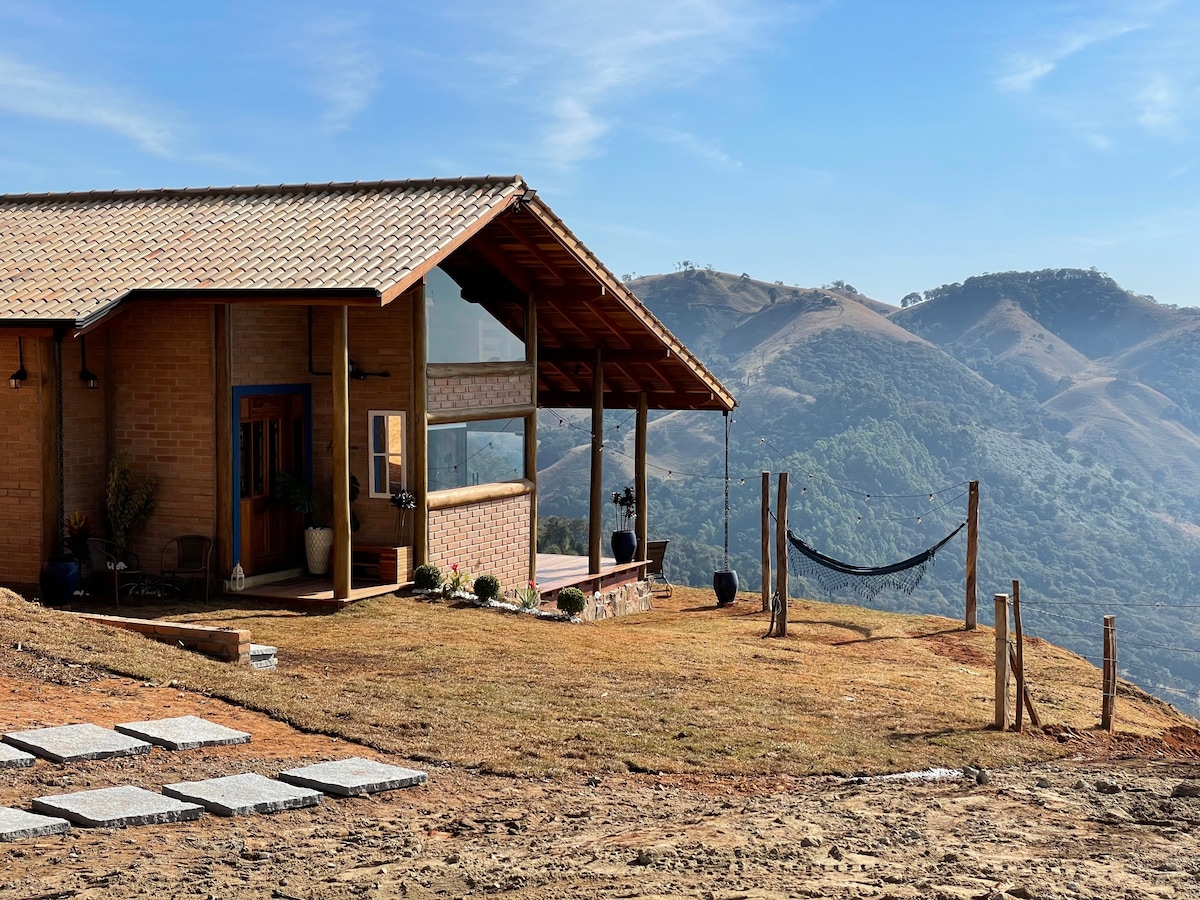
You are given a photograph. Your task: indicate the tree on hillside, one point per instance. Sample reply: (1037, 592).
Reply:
(910, 300)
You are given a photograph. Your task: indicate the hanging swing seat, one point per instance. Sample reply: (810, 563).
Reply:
(865, 582)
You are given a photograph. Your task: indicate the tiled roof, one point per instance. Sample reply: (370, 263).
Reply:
(71, 256)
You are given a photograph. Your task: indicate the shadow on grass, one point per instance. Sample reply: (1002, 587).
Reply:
(867, 639)
(909, 736)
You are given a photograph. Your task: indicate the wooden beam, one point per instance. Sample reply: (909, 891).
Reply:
(495, 257)
(533, 249)
(1002, 670)
(340, 493)
(640, 481)
(781, 566)
(478, 493)
(575, 354)
(223, 429)
(419, 473)
(49, 394)
(766, 541)
(531, 424)
(595, 501)
(481, 369)
(480, 413)
(629, 400)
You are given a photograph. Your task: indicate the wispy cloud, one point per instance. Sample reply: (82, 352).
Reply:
(345, 70)
(585, 63)
(703, 149)
(28, 90)
(1102, 68)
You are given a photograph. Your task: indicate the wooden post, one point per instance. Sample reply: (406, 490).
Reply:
(781, 574)
(970, 620)
(419, 472)
(640, 481)
(1001, 662)
(224, 431)
(341, 453)
(766, 540)
(1109, 701)
(1020, 666)
(596, 501)
(531, 357)
(49, 395)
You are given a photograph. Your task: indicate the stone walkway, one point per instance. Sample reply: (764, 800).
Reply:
(233, 795)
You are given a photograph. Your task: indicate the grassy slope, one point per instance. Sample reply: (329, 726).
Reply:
(683, 688)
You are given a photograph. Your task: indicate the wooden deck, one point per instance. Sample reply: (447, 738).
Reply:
(554, 570)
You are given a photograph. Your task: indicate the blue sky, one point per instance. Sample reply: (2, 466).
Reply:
(895, 145)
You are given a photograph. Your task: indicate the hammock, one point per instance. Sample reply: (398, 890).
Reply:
(864, 581)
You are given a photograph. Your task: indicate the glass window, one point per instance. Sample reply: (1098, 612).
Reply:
(464, 332)
(468, 453)
(386, 430)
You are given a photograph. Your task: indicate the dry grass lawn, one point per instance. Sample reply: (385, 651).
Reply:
(684, 688)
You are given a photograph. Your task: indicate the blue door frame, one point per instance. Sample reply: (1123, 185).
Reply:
(262, 390)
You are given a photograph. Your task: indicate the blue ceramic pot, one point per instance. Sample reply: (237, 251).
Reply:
(624, 546)
(725, 584)
(59, 580)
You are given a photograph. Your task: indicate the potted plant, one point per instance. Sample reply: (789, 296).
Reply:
(402, 501)
(61, 573)
(624, 540)
(128, 500)
(292, 490)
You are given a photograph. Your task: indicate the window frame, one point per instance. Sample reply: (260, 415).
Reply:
(387, 454)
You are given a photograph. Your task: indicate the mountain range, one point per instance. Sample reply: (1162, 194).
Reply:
(1074, 402)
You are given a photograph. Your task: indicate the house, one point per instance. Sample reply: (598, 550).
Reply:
(404, 332)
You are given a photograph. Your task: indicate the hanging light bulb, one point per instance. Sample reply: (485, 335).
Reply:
(868, 496)
(859, 519)
(918, 520)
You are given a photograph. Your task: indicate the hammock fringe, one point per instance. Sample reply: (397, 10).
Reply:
(865, 582)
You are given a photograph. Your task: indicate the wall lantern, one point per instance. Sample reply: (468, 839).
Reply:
(86, 375)
(15, 379)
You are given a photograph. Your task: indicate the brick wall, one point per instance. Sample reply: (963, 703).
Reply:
(164, 416)
(476, 391)
(85, 466)
(484, 538)
(21, 488)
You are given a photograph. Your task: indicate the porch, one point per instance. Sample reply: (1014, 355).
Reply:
(555, 571)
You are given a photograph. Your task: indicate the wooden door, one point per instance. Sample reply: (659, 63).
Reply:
(270, 440)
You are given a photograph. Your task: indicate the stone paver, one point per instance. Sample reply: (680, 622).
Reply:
(183, 733)
(350, 777)
(237, 795)
(117, 807)
(16, 824)
(12, 758)
(68, 743)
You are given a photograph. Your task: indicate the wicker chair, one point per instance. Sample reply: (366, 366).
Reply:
(187, 557)
(113, 570)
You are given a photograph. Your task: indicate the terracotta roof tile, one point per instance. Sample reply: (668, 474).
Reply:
(71, 256)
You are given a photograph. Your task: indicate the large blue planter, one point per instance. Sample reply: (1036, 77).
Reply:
(624, 546)
(725, 584)
(59, 580)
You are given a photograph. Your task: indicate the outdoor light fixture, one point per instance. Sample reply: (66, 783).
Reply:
(86, 376)
(15, 379)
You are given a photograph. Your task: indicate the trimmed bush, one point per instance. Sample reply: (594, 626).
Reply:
(487, 587)
(427, 578)
(571, 600)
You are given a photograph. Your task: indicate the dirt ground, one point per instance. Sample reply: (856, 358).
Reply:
(1103, 824)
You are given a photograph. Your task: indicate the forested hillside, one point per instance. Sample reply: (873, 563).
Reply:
(872, 409)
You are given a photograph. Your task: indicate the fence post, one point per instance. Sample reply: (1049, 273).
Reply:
(1019, 724)
(766, 540)
(969, 618)
(781, 566)
(1001, 662)
(1109, 702)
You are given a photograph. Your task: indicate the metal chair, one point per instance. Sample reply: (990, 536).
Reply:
(656, 551)
(113, 569)
(187, 556)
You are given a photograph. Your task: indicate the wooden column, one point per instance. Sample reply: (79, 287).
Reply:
(223, 410)
(640, 482)
(49, 393)
(1019, 668)
(419, 471)
(340, 366)
(531, 357)
(971, 617)
(1001, 662)
(596, 501)
(781, 574)
(766, 540)
(1109, 701)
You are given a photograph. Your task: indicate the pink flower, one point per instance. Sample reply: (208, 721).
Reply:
(454, 567)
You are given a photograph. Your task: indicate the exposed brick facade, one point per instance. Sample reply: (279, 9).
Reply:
(489, 538)
(85, 428)
(477, 391)
(21, 488)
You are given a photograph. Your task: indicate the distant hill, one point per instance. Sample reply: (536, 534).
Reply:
(1074, 402)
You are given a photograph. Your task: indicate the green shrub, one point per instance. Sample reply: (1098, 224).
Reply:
(487, 587)
(571, 600)
(427, 578)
